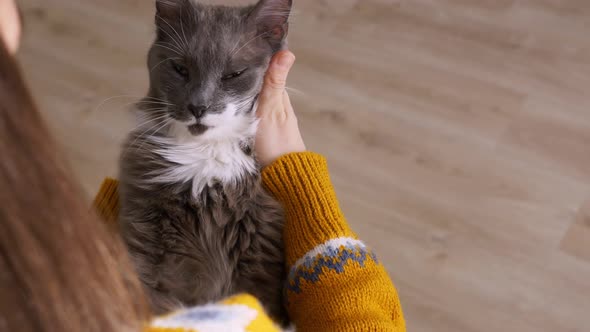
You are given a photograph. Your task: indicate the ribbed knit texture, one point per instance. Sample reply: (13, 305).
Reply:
(335, 282)
(301, 182)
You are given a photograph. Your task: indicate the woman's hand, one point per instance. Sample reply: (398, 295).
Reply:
(278, 133)
(9, 25)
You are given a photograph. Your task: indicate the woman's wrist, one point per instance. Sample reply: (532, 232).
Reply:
(292, 172)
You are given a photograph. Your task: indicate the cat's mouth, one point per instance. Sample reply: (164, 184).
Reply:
(197, 129)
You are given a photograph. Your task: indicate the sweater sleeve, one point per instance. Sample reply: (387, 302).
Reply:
(335, 282)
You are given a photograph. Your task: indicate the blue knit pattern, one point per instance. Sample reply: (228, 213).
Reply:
(331, 258)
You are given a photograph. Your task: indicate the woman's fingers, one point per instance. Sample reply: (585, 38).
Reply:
(276, 79)
(278, 133)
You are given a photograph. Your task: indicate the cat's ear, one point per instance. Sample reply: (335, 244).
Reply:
(271, 18)
(168, 9)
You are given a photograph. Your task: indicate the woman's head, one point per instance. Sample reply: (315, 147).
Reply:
(60, 268)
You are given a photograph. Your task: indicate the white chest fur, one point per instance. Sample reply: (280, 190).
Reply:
(207, 159)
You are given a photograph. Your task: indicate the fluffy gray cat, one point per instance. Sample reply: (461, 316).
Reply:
(194, 215)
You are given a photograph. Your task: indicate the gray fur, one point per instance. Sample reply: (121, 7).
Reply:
(191, 250)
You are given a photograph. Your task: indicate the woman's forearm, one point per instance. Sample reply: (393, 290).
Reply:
(335, 282)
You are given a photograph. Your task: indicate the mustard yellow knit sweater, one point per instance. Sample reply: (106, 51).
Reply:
(335, 283)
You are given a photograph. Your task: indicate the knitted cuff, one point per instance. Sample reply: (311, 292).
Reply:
(301, 182)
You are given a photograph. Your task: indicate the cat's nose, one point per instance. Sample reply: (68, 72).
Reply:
(197, 110)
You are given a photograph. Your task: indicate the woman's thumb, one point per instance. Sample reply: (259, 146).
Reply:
(276, 76)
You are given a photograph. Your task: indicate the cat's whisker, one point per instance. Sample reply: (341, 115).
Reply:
(160, 121)
(182, 29)
(148, 102)
(102, 103)
(154, 110)
(168, 48)
(143, 123)
(156, 102)
(176, 40)
(138, 104)
(146, 121)
(176, 32)
(154, 98)
(243, 103)
(174, 44)
(152, 103)
(295, 91)
(165, 123)
(159, 63)
(157, 127)
(232, 53)
(158, 118)
(140, 135)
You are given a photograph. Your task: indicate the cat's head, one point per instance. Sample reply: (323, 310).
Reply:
(208, 62)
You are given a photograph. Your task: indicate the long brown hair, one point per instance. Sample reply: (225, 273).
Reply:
(60, 268)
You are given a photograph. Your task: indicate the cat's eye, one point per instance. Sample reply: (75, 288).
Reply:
(233, 75)
(180, 69)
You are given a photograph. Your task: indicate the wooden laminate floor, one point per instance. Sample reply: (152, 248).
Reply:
(457, 131)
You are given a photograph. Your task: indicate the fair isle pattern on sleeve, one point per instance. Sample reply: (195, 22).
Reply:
(334, 254)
